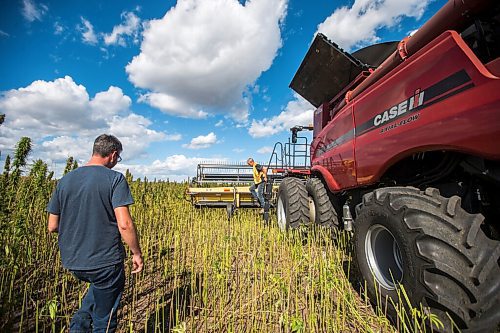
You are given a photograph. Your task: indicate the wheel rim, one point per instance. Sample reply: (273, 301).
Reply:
(281, 214)
(383, 256)
(312, 210)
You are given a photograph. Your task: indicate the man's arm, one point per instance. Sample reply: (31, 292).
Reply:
(129, 234)
(262, 171)
(53, 223)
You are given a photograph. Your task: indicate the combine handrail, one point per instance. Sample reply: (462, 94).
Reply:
(285, 157)
(290, 156)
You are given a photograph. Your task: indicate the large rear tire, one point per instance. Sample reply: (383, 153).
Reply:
(434, 249)
(292, 207)
(324, 213)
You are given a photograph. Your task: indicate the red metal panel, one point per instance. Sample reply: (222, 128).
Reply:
(333, 150)
(460, 108)
(321, 117)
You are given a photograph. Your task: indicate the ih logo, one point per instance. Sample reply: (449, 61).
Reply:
(400, 109)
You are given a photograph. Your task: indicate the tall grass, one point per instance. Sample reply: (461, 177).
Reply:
(202, 272)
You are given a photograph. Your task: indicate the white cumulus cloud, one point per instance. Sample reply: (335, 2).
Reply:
(265, 150)
(130, 28)
(59, 106)
(202, 141)
(357, 25)
(172, 105)
(61, 147)
(175, 167)
(135, 134)
(63, 120)
(206, 55)
(108, 103)
(173, 137)
(297, 112)
(87, 31)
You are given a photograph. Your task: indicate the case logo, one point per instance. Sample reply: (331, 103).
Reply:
(401, 108)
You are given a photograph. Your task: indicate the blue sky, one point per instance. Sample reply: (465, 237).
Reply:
(178, 82)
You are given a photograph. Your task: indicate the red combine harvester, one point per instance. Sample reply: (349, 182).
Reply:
(404, 155)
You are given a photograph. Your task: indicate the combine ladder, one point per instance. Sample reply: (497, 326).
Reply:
(290, 159)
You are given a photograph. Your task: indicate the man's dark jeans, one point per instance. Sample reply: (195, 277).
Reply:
(99, 306)
(259, 195)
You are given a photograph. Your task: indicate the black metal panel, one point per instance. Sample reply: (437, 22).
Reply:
(324, 72)
(375, 54)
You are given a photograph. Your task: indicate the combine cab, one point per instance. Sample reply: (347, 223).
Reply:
(404, 155)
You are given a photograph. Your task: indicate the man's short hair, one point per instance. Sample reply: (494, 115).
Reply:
(105, 145)
(249, 160)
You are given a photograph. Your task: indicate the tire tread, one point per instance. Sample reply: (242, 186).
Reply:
(298, 202)
(471, 259)
(326, 216)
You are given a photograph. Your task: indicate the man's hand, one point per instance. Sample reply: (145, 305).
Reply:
(127, 230)
(137, 263)
(53, 225)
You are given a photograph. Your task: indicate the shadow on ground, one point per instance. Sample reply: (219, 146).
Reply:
(175, 306)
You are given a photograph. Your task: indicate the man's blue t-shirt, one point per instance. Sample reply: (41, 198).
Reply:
(85, 200)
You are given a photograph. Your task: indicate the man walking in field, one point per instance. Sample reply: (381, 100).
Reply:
(259, 180)
(89, 210)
